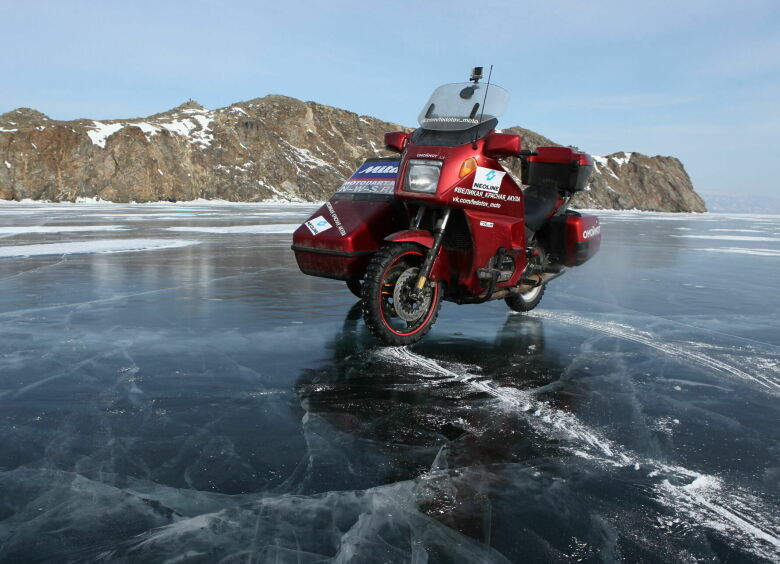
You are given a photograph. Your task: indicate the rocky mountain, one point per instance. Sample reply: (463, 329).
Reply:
(271, 148)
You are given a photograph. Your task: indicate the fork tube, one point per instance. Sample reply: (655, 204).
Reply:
(418, 218)
(438, 236)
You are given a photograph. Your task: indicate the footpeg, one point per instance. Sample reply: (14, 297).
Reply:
(487, 274)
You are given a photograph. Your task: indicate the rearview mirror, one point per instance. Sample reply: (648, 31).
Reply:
(500, 145)
(396, 141)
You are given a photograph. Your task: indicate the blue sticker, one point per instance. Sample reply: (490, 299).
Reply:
(377, 170)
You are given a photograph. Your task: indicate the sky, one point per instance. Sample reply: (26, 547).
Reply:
(699, 80)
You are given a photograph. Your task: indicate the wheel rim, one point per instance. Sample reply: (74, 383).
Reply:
(403, 313)
(531, 294)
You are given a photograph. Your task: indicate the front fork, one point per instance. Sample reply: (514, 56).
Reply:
(438, 237)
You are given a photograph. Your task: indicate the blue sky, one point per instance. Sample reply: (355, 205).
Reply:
(699, 80)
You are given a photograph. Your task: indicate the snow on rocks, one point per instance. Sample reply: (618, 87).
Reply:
(102, 131)
(194, 126)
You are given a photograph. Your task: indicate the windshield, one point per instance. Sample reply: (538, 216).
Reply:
(454, 107)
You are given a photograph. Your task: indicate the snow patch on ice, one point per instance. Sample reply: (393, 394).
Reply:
(740, 230)
(742, 251)
(20, 230)
(728, 237)
(246, 229)
(93, 247)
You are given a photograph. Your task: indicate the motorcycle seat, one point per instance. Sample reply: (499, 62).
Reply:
(539, 203)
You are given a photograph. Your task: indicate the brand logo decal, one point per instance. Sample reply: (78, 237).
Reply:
(318, 225)
(380, 170)
(592, 232)
(486, 223)
(487, 180)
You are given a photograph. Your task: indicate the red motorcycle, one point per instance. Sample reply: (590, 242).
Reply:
(445, 221)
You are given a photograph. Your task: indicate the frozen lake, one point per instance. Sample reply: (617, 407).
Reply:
(172, 388)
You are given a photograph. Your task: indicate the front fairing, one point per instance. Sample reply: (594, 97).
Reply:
(457, 192)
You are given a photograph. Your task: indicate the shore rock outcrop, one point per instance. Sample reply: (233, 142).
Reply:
(271, 148)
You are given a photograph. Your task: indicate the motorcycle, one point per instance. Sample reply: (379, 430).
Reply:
(446, 221)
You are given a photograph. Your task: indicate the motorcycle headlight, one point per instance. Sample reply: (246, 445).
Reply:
(422, 175)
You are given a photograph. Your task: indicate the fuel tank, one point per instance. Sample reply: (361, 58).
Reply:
(337, 241)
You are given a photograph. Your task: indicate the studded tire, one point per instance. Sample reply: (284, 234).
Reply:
(379, 291)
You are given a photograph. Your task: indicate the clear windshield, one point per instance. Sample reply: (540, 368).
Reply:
(454, 107)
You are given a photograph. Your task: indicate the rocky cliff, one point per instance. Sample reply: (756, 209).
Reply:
(268, 148)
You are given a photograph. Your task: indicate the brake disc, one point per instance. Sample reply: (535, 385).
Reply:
(408, 306)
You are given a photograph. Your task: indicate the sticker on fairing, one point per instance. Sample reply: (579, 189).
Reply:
(318, 225)
(372, 177)
(488, 179)
(486, 224)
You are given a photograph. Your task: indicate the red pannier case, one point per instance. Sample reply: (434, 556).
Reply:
(559, 168)
(337, 241)
(572, 238)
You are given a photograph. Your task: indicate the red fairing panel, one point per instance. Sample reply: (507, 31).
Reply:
(337, 241)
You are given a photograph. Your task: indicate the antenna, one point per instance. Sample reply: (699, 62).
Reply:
(484, 99)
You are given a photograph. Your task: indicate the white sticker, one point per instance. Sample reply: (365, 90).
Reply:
(592, 232)
(486, 223)
(488, 179)
(318, 225)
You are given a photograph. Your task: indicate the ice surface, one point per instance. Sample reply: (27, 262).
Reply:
(206, 401)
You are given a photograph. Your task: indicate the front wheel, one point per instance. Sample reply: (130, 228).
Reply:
(392, 310)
